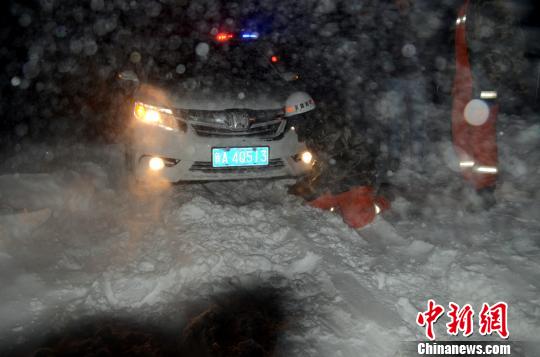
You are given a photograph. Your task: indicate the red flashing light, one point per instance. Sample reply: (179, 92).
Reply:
(224, 36)
(274, 59)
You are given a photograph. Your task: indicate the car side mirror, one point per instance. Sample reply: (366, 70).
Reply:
(129, 76)
(298, 103)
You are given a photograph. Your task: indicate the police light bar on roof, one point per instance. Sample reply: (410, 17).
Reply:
(249, 35)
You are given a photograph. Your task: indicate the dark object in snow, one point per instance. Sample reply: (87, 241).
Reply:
(238, 324)
(244, 325)
(344, 160)
(110, 338)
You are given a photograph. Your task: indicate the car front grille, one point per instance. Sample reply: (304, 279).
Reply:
(266, 130)
(206, 166)
(265, 124)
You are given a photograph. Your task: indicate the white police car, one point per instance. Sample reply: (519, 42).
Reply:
(227, 116)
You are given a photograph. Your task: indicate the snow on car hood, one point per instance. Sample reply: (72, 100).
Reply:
(211, 94)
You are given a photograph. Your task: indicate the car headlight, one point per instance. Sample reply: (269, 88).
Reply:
(161, 117)
(156, 164)
(307, 157)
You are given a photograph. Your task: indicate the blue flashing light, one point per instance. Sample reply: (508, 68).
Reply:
(250, 35)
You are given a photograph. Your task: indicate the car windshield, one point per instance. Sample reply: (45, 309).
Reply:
(245, 62)
(226, 66)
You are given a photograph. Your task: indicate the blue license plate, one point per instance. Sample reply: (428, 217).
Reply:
(238, 157)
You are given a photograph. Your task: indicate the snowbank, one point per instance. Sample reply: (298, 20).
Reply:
(75, 242)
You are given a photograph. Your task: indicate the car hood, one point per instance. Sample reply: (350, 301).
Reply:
(204, 94)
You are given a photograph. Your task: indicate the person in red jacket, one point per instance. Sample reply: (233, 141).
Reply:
(488, 57)
(345, 191)
(474, 115)
(358, 206)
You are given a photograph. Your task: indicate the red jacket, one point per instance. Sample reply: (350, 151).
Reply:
(358, 206)
(476, 146)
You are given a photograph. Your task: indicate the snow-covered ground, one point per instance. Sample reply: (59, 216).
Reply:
(78, 240)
